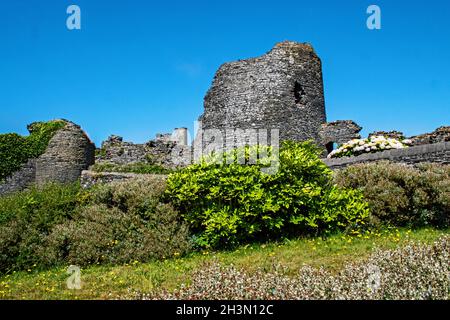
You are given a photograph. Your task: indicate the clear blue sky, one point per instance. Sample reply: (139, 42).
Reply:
(141, 67)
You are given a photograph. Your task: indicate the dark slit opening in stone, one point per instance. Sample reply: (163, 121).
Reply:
(299, 93)
(330, 147)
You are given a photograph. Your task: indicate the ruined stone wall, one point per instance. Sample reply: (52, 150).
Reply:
(117, 151)
(441, 134)
(90, 178)
(20, 179)
(68, 153)
(282, 89)
(398, 135)
(163, 151)
(436, 153)
(339, 132)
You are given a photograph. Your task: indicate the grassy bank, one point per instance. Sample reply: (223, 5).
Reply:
(112, 282)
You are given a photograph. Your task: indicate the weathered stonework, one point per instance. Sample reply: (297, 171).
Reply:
(436, 153)
(90, 178)
(68, 153)
(20, 179)
(441, 134)
(339, 132)
(283, 86)
(398, 135)
(117, 151)
(277, 96)
(282, 90)
(167, 150)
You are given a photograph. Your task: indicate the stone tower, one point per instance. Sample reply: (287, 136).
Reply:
(282, 89)
(68, 153)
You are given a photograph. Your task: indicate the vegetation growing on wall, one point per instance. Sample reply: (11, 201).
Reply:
(16, 150)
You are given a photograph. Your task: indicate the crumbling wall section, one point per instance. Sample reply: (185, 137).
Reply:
(436, 153)
(167, 150)
(68, 153)
(20, 179)
(441, 134)
(282, 89)
(339, 132)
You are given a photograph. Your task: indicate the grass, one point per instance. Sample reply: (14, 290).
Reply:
(112, 282)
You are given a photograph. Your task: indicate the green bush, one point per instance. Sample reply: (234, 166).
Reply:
(226, 203)
(16, 150)
(402, 195)
(28, 217)
(126, 221)
(116, 223)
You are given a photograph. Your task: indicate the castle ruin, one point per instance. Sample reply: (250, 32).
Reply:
(69, 152)
(281, 90)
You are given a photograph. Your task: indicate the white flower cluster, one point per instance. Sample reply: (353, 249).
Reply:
(373, 144)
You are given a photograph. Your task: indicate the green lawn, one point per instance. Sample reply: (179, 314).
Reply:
(112, 282)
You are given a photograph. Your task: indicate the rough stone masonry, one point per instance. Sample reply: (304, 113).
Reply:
(282, 89)
(68, 153)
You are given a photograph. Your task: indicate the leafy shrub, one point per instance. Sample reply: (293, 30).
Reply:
(26, 219)
(12, 154)
(402, 195)
(413, 272)
(120, 222)
(16, 150)
(139, 167)
(227, 203)
(125, 221)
